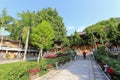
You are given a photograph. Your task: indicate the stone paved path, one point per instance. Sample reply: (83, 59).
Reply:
(79, 69)
(98, 74)
(10, 61)
(75, 72)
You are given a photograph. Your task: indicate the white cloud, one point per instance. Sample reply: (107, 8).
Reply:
(80, 29)
(73, 28)
(70, 28)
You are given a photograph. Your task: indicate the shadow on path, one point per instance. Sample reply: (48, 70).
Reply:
(79, 69)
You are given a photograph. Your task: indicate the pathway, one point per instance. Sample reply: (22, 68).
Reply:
(77, 70)
(10, 61)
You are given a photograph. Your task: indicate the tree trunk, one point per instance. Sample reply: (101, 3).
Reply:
(2, 33)
(26, 45)
(101, 40)
(94, 41)
(19, 48)
(40, 55)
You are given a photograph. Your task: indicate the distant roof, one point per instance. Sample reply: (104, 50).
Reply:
(81, 33)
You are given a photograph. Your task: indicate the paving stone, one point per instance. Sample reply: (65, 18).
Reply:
(77, 70)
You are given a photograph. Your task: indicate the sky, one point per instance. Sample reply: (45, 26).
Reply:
(76, 14)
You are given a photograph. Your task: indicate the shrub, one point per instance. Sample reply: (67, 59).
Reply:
(113, 64)
(43, 64)
(19, 70)
(102, 50)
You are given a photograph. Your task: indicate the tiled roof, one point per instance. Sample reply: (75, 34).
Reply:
(81, 33)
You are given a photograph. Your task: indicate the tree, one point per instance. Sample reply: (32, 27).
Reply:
(112, 35)
(90, 38)
(4, 20)
(27, 20)
(106, 31)
(118, 35)
(42, 36)
(66, 42)
(15, 29)
(76, 40)
(51, 15)
(71, 40)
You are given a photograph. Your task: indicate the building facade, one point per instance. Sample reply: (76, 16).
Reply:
(10, 49)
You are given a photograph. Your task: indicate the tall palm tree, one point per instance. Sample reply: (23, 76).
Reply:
(5, 20)
(28, 23)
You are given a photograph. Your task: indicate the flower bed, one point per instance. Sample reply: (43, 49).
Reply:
(13, 71)
(50, 67)
(34, 73)
(110, 71)
(114, 66)
(50, 56)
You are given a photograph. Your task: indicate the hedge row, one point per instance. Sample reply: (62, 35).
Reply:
(19, 70)
(113, 63)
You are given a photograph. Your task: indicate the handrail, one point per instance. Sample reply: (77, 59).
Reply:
(114, 50)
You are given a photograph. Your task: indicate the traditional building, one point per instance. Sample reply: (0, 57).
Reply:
(84, 47)
(10, 49)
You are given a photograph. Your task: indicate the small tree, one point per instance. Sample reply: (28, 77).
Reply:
(77, 40)
(112, 35)
(65, 42)
(42, 36)
(102, 50)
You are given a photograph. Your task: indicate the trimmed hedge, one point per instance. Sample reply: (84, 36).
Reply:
(103, 57)
(113, 63)
(19, 70)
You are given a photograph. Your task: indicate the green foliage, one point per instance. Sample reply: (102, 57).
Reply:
(113, 63)
(43, 64)
(71, 40)
(26, 23)
(19, 28)
(15, 29)
(105, 31)
(90, 38)
(19, 70)
(51, 15)
(66, 42)
(102, 50)
(14, 71)
(76, 40)
(113, 34)
(42, 35)
(5, 19)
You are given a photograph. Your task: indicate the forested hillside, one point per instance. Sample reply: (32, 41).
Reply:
(106, 32)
